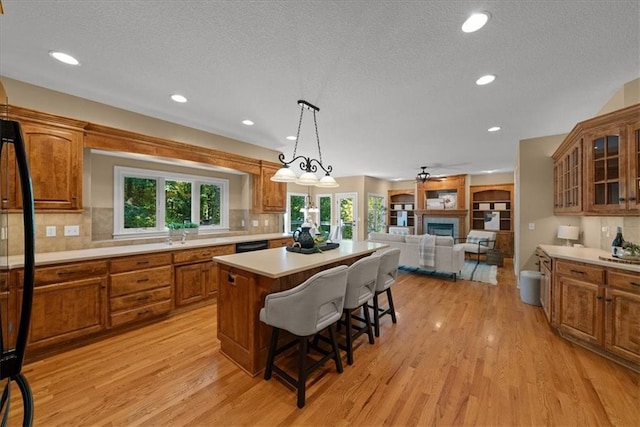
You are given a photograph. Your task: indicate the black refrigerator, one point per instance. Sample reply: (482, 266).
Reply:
(15, 298)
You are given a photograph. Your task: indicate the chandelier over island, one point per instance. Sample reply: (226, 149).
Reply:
(308, 165)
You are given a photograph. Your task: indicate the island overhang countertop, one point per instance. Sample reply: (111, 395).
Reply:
(278, 262)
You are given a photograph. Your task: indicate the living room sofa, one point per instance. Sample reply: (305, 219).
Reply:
(449, 257)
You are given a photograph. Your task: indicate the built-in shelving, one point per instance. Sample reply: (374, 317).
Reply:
(492, 210)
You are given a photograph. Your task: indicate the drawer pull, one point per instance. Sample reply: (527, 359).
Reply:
(68, 272)
(144, 279)
(598, 297)
(577, 271)
(230, 278)
(143, 298)
(608, 300)
(634, 283)
(142, 313)
(146, 261)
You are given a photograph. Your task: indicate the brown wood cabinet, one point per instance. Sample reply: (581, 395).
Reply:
(8, 309)
(196, 275)
(568, 177)
(545, 264)
(140, 288)
(594, 305)
(494, 200)
(268, 196)
(54, 152)
(278, 243)
(433, 189)
(597, 167)
(578, 296)
(68, 303)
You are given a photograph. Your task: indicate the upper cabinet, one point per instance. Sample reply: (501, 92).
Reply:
(268, 196)
(596, 168)
(54, 154)
(567, 170)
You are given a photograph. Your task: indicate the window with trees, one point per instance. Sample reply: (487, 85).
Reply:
(376, 213)
(151, 202)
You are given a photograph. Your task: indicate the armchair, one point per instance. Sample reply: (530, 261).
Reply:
(478, 242)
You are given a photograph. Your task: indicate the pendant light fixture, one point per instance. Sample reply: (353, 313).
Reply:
(308, 165)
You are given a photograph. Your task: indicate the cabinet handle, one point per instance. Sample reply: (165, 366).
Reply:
(231, 279)
(608, 300)
(632, 198)
(142, 262)
(142, 313)
(146, 297)
(622, 199)
(68, 272)
(577, 271)
(144, 279)
(634, 283)
(598, 297)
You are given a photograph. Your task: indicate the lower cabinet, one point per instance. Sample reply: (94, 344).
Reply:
(140, 288)
(7, 311)
(600, 307)
(546, 281)
(196, 275)
(622, 315)
(68, 303)
(278, 243)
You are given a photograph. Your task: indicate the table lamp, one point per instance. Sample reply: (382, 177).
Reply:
(568, 232)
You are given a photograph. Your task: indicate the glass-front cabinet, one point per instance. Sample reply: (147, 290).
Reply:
(612, 168)
(597, 167)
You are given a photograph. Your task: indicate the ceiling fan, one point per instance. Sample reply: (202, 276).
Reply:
(424, 176)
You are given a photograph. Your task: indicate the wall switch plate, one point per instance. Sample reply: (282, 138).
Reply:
(51, 231)
(71, 230)
(266, 222)
(532, 226)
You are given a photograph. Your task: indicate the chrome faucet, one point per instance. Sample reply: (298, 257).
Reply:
(184, 237)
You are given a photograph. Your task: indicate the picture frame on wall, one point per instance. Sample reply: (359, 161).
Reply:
(492, 221)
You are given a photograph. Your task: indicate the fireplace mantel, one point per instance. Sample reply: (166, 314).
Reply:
(460, 214)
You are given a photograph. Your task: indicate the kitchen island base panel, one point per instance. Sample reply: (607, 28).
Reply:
(244, 339)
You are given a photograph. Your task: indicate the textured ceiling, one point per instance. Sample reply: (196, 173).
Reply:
(394, 80)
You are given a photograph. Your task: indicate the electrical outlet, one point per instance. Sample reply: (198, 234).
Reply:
(71, 230)
(51, 231)
(266, 222)
(243, 222)
(532, 226)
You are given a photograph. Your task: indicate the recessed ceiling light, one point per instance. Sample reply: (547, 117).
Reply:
(63, 57)
(179, 98)
(475, 22)
(247, 122)
(485, 80)
(291, 138)
(494, 129)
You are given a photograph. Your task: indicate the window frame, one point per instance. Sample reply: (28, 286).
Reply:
(120, 173)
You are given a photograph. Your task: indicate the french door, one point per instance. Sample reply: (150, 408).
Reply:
(347, 210)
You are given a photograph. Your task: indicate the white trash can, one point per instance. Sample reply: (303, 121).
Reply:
(530, 287)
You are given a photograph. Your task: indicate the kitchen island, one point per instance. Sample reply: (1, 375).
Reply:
(245, 279)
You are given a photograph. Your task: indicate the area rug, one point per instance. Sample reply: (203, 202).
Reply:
(479, 272)
(470, 271)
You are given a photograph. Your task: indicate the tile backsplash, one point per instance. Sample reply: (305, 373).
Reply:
(96, 227)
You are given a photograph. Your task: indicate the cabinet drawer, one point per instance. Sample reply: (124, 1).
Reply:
(587, 273)
(122, 265)
(136, 281)
(623, 280)
(202, 254)
(544, 260)
(67, 273)
(139, 299)
(278, 243)
(141, 313)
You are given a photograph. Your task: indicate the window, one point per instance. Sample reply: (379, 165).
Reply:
(149, 201)
(293, 217)
(376, 213)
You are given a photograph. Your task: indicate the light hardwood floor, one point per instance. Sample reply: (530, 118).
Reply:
(462, 353)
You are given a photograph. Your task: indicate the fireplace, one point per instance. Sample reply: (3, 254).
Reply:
(448, 218)
(440, 229)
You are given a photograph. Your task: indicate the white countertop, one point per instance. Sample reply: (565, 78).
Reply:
(45, 258)
(279, 262)
(590, 255)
